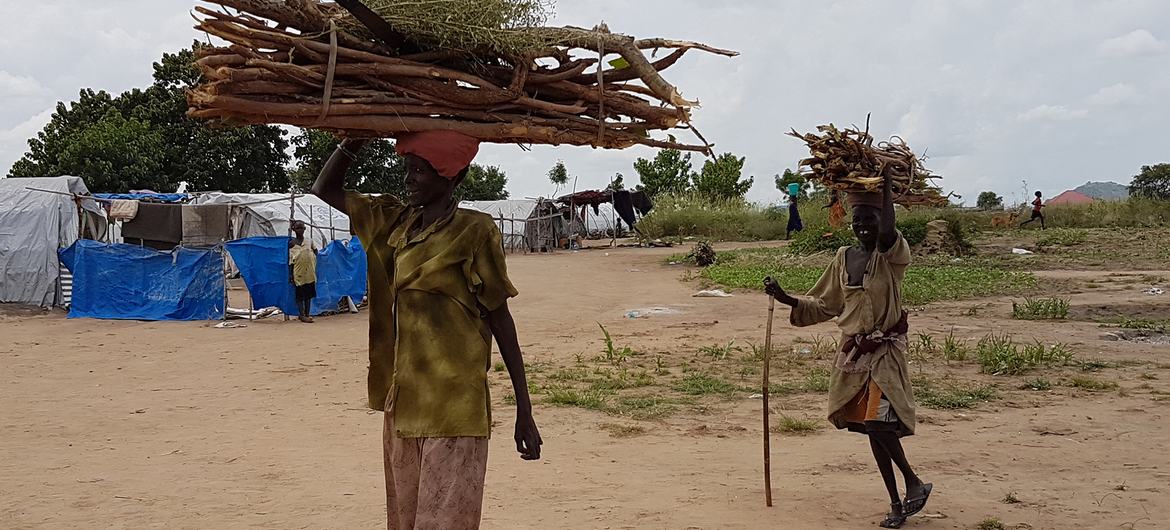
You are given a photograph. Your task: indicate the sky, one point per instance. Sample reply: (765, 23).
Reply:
(995, 92)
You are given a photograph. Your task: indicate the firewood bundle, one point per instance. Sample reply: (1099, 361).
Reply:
(847, 160)
(311, 64)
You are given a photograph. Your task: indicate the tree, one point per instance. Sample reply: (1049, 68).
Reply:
(378, 168)
(669, 172)
(720, 179)
(989, 200)
(792, 177)
(558, 175)
(142, 138)
(1152, 183)
(483, 184)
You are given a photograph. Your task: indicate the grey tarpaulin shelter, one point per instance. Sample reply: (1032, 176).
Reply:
(270, 214)
(34, 224)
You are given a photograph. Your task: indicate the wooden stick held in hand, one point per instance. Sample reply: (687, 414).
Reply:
(767, 426)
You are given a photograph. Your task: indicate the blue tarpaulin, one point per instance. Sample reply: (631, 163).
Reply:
(128, 282)
(160, 197)
(263, 262)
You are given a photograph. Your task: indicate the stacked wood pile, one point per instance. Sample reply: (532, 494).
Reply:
(848, 160)
(310, 64)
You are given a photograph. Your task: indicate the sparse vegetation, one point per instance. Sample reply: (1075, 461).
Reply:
(618, 430)
(697, 384)
(990, 523)
(949, 395)
(1041, 309)
(614, 355)
(1064, 237)
(720, 352)
(1001, 355)
(786, 424)
(1092, 385)
(1011, 498)
(499, 366)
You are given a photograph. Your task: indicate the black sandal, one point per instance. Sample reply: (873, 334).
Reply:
(895, 519)
(920, 500)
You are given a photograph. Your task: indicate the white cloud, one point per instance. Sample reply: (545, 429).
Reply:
(1119, 94)
(1136, 42)
(14, 86)
(1052, 113)
(14, 141)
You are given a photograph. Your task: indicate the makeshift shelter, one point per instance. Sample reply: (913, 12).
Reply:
(511, 217)
(34, 224)
(270, 214)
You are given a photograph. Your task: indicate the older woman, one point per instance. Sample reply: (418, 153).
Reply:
(869, 391)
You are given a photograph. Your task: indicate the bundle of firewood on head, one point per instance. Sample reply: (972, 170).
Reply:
(484, 68)
(848, 161)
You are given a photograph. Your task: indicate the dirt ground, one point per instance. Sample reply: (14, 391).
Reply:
(182, 425)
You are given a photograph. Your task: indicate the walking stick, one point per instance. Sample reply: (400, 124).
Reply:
(767, 427)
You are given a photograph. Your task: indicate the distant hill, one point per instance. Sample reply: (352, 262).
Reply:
(1106, 191)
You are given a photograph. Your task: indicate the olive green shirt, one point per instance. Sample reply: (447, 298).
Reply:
(430, 345)
(875, 305)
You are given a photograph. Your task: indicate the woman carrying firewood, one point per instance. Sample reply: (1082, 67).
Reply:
(869, 391)
(438, 291)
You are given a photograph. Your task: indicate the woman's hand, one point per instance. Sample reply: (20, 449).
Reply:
(775, 291)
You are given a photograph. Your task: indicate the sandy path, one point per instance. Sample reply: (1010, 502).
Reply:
(180, 425)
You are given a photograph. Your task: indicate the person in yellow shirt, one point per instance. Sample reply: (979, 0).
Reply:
(302, 262)
(438, 295)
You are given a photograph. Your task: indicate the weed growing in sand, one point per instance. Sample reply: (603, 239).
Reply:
(789, 425)
(1041, 309)
(955, 349)
(499, 366)
(645, 407)
(1092, 385)
(990, 523)
(509, 399)
(1157, 326)
(697, 384)
(1147, 376)
(718, 352)
(1038, 385)
(951, 396)
(1000, 355)
(660, 366)
(1011, 498)
(622, 431)
(592, 399)
(613, 355)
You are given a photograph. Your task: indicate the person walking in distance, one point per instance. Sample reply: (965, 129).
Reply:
(302, 262)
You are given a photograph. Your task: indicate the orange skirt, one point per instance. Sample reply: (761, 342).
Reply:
(869, 410)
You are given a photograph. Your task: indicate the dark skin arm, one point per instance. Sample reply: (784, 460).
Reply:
(887, 228)
(330, 184)
(503, 328)
(775, 291)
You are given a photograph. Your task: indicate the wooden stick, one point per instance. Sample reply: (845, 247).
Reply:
(767, 424)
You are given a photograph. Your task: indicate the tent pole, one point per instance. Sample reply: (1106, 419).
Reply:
(332, 234)
(292, 211)
(223, 256)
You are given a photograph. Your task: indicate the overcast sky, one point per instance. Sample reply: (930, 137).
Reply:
(1058, 92)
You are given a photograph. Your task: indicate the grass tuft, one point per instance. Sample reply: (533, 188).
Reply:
(1041, 309)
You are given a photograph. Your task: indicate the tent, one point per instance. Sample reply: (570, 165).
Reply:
(269, 214)
(33, 226)
(510, 215)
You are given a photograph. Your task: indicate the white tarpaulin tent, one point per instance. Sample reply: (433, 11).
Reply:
(518, 210)
(268, 214)
(33, 226)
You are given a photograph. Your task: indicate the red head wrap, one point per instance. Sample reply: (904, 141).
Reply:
(449, 152)
(864, 199)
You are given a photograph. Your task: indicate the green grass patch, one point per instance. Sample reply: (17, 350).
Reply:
(1062, 237)
(1001, 355)
(1041, 309)
(697, 384)
(720, 352)
(786, 424)
(923, 284)
(1092, 385)
(1157, 326)
(499, 367)
(592, 399)
(990, 523)
(948, 395)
